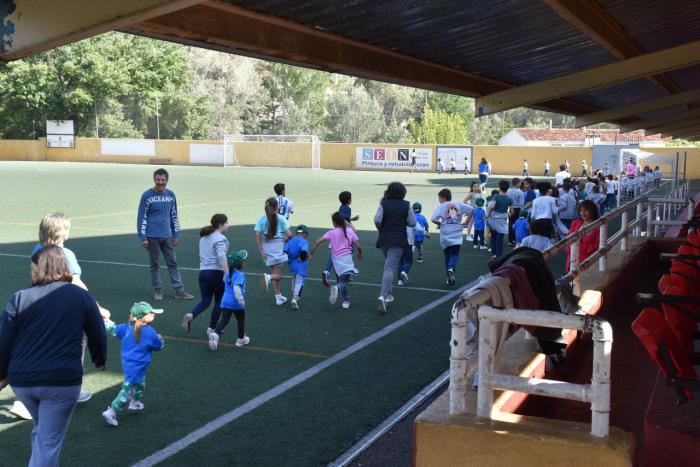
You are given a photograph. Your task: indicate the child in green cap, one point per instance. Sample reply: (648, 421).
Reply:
(233, 301)
(297, 249)
(139, 339)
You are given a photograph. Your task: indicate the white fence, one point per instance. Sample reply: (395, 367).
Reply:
(660, 210)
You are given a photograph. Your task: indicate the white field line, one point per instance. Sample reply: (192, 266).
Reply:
(135, 265)
(223, 420)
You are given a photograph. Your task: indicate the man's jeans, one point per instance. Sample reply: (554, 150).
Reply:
(155, 246)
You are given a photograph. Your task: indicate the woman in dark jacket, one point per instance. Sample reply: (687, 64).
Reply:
(393, 216)
(41, 331)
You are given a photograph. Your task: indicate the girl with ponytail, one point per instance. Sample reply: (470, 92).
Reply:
(271, 231)
(213, 248)
(342, 240)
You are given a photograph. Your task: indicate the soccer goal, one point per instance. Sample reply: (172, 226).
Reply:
(302, 151)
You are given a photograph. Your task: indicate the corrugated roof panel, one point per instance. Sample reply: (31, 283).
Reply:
(620, 94)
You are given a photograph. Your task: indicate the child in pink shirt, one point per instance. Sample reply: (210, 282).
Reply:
(342, 240)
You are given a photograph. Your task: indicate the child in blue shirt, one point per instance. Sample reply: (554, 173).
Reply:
(345, 198)
(233, 301)
(420, 235)
(479, 224)
(522, 228)
(297, 249)
(139, 339)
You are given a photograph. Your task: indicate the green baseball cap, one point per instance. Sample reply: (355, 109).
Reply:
(141, 309)
(417, 207)
(302, 229)
(236, 258)
(480, 202)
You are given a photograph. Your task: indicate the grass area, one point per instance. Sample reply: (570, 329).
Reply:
(187, 385)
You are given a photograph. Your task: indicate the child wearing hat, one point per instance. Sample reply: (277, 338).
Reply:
(233, 301)
(420, 234)
(297, 249)
(479, 224)
(139, 339)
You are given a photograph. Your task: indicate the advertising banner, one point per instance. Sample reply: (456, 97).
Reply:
(460, 154)
(383, 158)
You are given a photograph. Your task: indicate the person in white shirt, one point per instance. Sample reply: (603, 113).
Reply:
(561, 175)
(546, 168)
(584, 168)
(285, 206)
(567, 203)
(567, 164)
(525, 166)
(516, 195)
(610, 200)
(540, 237)
(544, 207)
(657, 176)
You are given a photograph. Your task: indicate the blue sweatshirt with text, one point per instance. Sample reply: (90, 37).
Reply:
(158, 215)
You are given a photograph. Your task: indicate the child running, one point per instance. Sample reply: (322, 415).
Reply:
(345, 198)
(139, 339)
(521, 228)
(285, 206)
(540, 237)
(342, 240)
(448, 217)
(233, 301)
(271, 231)
(297, 249)
(479, 224)
(420, 234)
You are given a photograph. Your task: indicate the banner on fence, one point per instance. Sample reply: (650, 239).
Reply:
(384, 158)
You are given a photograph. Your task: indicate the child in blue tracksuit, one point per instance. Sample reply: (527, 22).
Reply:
(297, 249)
(522, 228)
(233, 301)
(420, 235)
(479, 224)
(139, 339)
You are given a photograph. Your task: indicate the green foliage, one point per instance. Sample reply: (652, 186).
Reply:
(439, 127)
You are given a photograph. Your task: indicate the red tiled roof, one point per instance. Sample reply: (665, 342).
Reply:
(577, 134)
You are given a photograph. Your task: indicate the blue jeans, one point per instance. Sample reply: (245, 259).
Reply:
(344, 286)
(451, 256)
(211, 283)
(406, 260)
(479, 237)
(164, 244)
(51, 408)
(610, 201)
(496, 243)
(419, 248)
(483, 179)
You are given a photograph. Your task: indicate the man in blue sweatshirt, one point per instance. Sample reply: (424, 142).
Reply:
(159, 230)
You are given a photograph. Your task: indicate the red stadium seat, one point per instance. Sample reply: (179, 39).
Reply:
(654, 333)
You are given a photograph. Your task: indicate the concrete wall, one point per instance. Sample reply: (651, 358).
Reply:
(340, 156)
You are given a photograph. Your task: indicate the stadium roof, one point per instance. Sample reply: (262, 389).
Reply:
(634, 62)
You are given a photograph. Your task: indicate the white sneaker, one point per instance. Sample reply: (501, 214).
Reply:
(295, 303)
(135, 405)
(209, 331)
(404, 277)
(186, 323)
(483, 247)
(84, 396)
(381, 305)
(476, 247)
(346, 304)
(243, 342)
(20, 410)
(334, 295)
(281, 300)
(400, 283)
(470, 238)
(110, 416)
(389, 298)
(213, 341)
(265, 284)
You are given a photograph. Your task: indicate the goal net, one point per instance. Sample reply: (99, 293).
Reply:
(302, 151)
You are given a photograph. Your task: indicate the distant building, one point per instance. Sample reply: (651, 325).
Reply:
(579, 137)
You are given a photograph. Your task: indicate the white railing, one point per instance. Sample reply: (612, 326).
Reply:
(597, 393)
(476, 302)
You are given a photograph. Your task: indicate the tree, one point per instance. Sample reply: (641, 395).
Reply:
(439, 127)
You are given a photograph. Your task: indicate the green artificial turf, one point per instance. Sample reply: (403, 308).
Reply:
(187, 384)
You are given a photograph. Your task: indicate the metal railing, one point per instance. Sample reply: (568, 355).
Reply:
(597, 393)
(664, 201)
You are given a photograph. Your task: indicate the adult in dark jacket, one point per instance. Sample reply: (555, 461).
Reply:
(41, 332)
(393, 216)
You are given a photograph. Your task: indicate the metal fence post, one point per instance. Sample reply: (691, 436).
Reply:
(657, 217)
(603, 260)
(638, 229)
(625, 223)
(650, 216)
